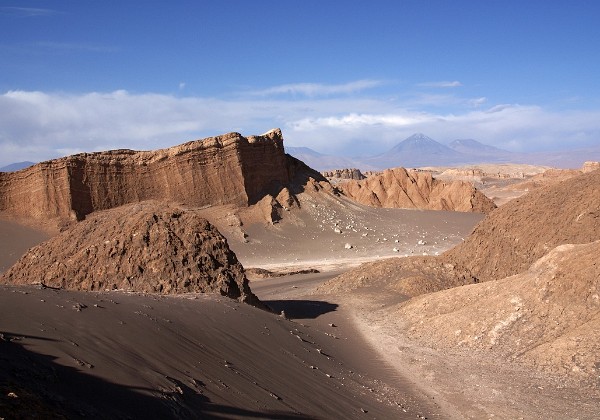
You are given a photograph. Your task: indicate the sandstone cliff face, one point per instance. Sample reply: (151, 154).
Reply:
(227, 169)
(142, 247)
(399, 188)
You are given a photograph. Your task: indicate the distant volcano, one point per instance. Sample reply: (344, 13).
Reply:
(418, 150)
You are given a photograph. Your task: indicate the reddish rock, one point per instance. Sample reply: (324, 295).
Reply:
(227, 169)
(399, 188)
(143, 247)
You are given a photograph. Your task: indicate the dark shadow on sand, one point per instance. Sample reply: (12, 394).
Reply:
(301, 309)
(33, 385)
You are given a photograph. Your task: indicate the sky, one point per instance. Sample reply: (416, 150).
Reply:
(349, 78)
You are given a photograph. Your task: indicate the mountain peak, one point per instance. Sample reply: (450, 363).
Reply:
(419, 137)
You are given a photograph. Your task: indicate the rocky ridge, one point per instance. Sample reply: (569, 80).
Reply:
(144, 247)
(346, 173)
(227, 169)
(523, 230)
(400, 188)
(547, 315)
(505, 243)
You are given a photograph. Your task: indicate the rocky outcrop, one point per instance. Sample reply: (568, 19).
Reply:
(143, 247)
(523, 230)
(548, 315)
(227, 169)
(346, 173)
(399, 188)
(503, 244)
(590, 166)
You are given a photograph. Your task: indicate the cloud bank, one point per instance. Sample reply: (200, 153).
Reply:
(38, 125)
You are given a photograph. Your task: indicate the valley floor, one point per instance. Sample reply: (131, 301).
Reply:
(460, 384)
(129, 354)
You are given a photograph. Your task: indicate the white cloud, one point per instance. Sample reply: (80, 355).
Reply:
(317, 89)
(444, 84)
(476, 102)
(38, 125)
(26, 11)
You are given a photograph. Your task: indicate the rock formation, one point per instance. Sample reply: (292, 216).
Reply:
(524, 286)
(503, 244)
(227, 169)
(399, 188)
(144, 247)
(346, 173)
(590, 166)
(548, 315)
(523, 230)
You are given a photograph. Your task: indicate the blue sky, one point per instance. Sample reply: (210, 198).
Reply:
(341, 77)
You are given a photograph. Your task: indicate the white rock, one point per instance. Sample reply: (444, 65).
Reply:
(348, 246)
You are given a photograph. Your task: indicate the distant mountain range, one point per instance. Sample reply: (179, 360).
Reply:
(420, 150)
(323, 162)
(16, 166)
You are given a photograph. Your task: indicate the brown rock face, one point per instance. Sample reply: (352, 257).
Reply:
(228, 169)
(143, 247)
(399, 188)
(523, 230)
(548, 315)
(590, 166)
(346, 173)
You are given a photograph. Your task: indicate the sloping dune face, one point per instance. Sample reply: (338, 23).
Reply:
(514, 236)
(399, 188)
(144, 247)
(227, 169)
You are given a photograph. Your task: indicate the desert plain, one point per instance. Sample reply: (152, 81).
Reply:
(225, 279)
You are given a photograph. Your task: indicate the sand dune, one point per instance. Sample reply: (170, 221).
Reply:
(116, 355)
(15, 240)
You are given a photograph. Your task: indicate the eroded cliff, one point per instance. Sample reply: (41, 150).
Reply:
(227, 169)
(399, 188)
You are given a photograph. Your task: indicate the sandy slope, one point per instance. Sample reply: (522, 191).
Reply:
(114, 355)
(15, 240)
(315, 236)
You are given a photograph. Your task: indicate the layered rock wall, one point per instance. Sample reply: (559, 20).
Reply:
(227, 169)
